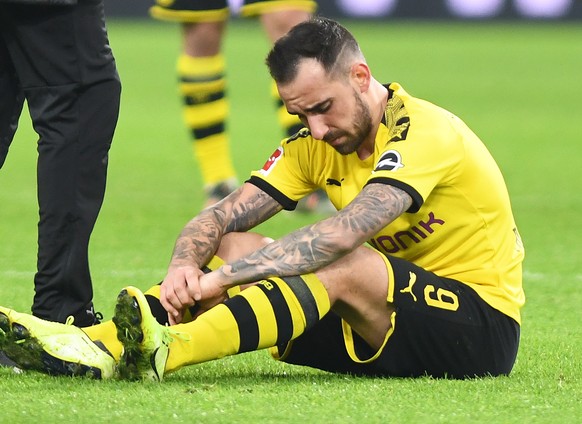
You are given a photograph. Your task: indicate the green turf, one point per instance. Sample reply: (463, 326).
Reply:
(517, 85)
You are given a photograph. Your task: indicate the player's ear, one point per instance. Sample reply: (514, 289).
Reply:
(361, 75)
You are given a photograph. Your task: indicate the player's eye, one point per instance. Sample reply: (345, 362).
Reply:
(324, 108)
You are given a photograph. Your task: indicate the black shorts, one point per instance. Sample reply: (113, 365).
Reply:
(440, 328)
(194, 11)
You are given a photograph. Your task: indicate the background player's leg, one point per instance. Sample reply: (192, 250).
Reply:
(276, 24)
(203, 84)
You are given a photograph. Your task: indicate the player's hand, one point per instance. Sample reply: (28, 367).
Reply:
(180, 290)
(213, 290)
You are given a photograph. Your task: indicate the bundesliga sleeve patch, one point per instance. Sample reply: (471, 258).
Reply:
(389, 161)
(270, 163)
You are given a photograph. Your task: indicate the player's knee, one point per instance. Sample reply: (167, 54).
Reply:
(236, 245)
(277, 24)
(363, 268)
(203, 39)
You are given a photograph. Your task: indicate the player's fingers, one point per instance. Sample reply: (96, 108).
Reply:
(183, 298)
(175, 319)
(169, 299)
(165, 301)
(193, 285)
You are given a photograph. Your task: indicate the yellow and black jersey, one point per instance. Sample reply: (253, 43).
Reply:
(460, 225)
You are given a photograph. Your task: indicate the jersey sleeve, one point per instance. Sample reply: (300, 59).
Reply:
(286, 175)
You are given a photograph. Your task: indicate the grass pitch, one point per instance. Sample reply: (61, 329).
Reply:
(517, 85)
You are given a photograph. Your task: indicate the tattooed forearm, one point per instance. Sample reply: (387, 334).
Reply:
(374, 208)
(252, 211)
(317, 245)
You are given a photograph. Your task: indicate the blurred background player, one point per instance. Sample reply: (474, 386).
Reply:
(202, 81)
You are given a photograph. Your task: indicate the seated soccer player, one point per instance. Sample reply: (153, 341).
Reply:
(418, 273)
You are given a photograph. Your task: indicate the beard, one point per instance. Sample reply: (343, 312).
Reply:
(362, 124)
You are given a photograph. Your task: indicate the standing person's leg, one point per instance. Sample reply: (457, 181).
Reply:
(11, 100)
(68, 74)
(202, 82)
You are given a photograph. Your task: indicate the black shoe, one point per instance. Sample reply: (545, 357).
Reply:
(88, 318)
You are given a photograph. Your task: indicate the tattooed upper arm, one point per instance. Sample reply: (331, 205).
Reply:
(376, 206)
(250, 207)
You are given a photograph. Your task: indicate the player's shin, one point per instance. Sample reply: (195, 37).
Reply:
(272, 312)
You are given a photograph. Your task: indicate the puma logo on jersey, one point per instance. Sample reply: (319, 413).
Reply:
(411, 282)
(331, 181)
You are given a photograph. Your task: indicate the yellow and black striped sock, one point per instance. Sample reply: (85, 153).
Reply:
(203, 87)
(152, 295)
(272, 312)
(290, 123)
(106, 332)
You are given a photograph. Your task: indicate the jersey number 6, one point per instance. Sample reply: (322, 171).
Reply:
(444, 299)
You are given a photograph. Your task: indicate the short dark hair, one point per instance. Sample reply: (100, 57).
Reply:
(318, 38)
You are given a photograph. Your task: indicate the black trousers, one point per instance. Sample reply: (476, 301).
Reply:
(58, 58)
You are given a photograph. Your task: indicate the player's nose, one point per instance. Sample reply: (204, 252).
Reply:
(317, 127)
